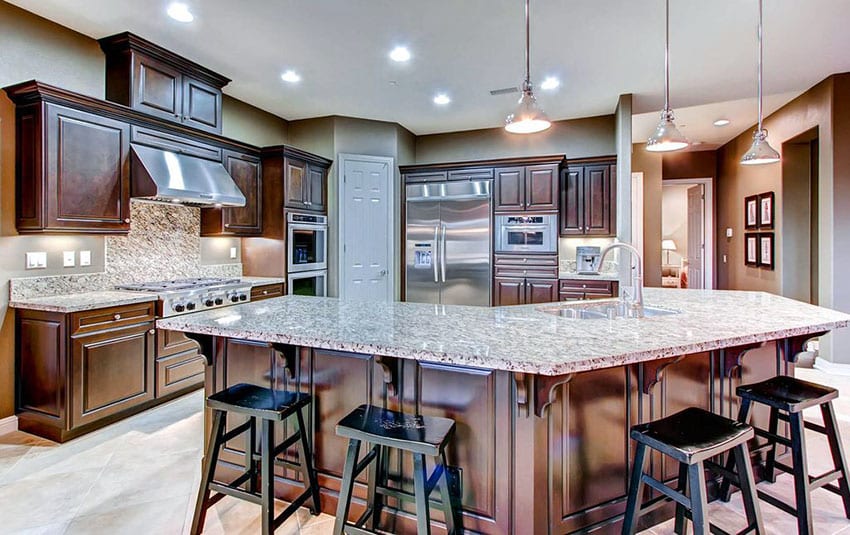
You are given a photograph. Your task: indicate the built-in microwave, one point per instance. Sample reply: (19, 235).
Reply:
(307, 244)
(527, 233)
(308, 283)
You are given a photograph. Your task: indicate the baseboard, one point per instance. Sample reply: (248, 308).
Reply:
(8, 425)
(832, 367)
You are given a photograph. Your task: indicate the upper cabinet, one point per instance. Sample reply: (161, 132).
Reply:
(153, 80)
(526, 188)
(588, 198)
(245, 220)
(305, 178)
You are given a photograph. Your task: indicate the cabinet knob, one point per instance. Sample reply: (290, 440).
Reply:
(152, 331)
(227, 225)
(525, 272)
(265, 292)
(116, 317)
(126, 219)
(584, 285)
(176, 115)
(524, 260)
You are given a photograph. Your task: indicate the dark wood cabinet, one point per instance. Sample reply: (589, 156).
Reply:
(151, 79)
(266, 291)
(247, 220)
(588, 199)
(510, 189)
(179, 364)
(527, 188)
(508, 291)
(524, 279)
(575, 289)
(304, 185)
(541, 291)
(73, 172)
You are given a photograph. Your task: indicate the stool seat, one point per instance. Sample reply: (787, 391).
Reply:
(692, 435)
(259, 402)
(427, 435)
(788, 393)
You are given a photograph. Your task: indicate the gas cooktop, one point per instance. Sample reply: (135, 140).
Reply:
(182, 296)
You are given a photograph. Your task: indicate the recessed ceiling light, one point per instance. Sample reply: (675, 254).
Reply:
(442, 99)
(290, 76)
(400, 54)
(722, 122)
(180, 12)
(550, 83)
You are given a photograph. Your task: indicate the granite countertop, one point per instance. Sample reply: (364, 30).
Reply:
(578, 276)
(82, 301)
(517, 338)
(260, 281)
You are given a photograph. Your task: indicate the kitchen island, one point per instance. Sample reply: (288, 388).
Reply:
(543, 403)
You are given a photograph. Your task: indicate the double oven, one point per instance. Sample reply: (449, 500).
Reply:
(307, 254)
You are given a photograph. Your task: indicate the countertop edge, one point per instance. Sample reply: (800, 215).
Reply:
(41, 304)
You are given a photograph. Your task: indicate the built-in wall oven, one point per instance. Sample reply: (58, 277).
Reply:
(527, 233)
(308, 283)
(307, 246)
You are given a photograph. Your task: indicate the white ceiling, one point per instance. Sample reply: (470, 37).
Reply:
(599, 49)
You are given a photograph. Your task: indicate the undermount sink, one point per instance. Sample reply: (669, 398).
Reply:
(605, 310)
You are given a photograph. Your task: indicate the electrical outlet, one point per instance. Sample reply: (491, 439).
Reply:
(233, 252)
(68, 259)
(85, 258)
(729, 232)
(36, 260)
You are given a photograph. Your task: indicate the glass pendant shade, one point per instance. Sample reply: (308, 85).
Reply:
(528, 117)
(666, 137)
(760, 151)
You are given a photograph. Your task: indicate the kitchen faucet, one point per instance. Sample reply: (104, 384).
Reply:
(637, 273)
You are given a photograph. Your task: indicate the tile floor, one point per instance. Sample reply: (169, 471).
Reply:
(101, 483)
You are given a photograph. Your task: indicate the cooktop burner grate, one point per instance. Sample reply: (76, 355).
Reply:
(178, 284)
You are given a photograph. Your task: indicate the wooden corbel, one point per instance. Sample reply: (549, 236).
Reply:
(389, 367)
(792, 347)
(732, 358)
(653, 371)
(521, 381)
(545, 388)
(207, 345)
(290, 357)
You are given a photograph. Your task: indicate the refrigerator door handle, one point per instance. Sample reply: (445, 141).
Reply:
(436, 252)
(443, 253)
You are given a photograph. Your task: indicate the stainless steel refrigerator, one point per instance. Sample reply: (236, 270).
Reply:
(448, 242)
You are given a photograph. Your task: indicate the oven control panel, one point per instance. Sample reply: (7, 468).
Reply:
(183, 302)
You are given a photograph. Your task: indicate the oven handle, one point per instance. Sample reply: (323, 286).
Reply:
(443, 254)
(525, 227)
(436, 252)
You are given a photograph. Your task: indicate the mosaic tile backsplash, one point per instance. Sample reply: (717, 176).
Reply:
(164, 243)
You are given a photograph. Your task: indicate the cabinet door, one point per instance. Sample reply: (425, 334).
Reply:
(295, 176)
(112, 371)
(508, 292)
(201, 105)
(245, 170)
(158, 88)
(541, 291)
(597, 200)
(541, 187)
(510, 189)
(87, 186)
(572, 206)
(315, 188)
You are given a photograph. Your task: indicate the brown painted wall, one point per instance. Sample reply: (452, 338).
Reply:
(649, 164)
(693, 164)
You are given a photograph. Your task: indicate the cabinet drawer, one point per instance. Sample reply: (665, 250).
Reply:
(171, 142)
(527, 260)
(429, 176)
(267, 291)
(110, 318)
(172, 342)
(178, 372)
(530, 270)
(471, 174)
(587, 285)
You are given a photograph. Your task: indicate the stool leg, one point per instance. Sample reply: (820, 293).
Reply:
(446, 495)
(423, 520)
(208, 469)
(635, 491)
(770, 462)
(267, 467)
(347, 486)
(725, 484)
(681, 486)
(837, 451)
(801, 474)
(374, 500)
(250, 444)
(307, 471)
(748, 487)
(699, 501)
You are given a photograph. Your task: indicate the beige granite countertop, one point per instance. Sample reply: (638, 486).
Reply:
(518, 338)
(82, 301)
(577, 276)
(259, 281)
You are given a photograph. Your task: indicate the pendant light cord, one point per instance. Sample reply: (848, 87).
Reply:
(761, 54)
(667, 56)
(527, 47)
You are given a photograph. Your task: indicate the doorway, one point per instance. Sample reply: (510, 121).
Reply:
(366, 244)
(687, 235)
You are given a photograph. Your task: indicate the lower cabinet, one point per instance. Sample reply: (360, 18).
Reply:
(516, 291)
(575, 289)
(179, 364)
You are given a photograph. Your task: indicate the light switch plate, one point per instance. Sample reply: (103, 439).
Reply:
(68, 259)
(85, 258)
(36, 260)
(233, 252)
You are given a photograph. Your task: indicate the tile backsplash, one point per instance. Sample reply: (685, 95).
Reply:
(163, 243)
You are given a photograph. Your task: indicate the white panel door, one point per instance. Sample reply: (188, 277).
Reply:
(366, 218)
(696, 237)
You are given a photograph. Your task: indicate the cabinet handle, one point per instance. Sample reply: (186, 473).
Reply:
(152, 331)
(126, 219)
(116, 317)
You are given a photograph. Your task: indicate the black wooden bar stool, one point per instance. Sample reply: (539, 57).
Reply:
(269, 406)
(787, 397)
(385, 429)
(691, 437)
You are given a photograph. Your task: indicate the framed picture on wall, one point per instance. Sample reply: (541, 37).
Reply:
(751, 249)
(766, 210)
(751, 212)
(766, 250)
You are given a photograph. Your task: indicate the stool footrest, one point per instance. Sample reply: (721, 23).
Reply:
(236, 431)
(283, 446)
(822, 480)
(816, 428)
(222, 489)
(292, 507)
(771, 436)
(776, 502)
(667, 491)
(403, 495)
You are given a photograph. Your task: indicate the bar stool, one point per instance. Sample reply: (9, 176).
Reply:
(269, 406)
(385, 429)
(787, 397)
(690, 437)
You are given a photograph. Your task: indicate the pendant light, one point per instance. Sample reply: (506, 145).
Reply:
(666, 137)
(528, 117)
(760, 151)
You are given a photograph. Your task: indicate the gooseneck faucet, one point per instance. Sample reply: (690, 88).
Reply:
(637, 271)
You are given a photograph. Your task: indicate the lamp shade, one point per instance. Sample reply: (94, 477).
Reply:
(668, 245)
(528, 117)
(760, 151)
(666, 137)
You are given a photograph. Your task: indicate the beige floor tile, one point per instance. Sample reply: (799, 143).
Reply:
(160, 517)
(45, 499)
(58, 528)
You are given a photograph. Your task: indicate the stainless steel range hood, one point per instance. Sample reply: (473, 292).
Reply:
(162, 176)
